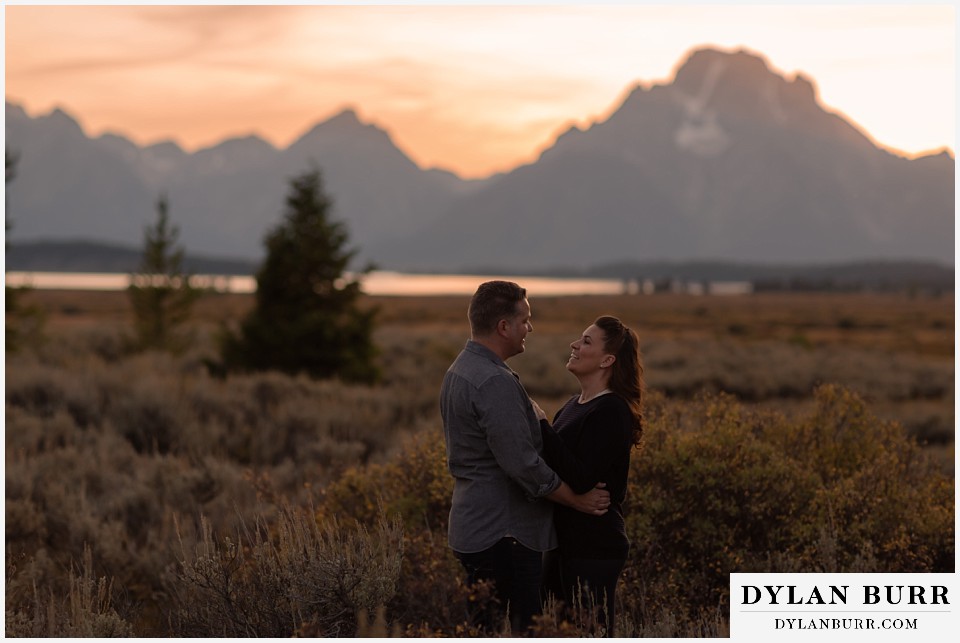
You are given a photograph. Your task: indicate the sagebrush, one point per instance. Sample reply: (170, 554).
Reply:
(147, 497)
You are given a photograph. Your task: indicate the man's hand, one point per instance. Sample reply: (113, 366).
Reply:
(595, 502)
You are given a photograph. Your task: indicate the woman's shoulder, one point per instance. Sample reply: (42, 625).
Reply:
(611, 402)
(612, 407)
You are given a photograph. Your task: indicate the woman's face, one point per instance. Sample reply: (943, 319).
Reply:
(587, 354)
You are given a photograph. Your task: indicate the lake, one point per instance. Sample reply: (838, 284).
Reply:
(377, 282)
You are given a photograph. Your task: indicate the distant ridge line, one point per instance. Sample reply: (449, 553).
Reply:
(88, 255)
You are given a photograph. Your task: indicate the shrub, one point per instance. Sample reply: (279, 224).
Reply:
(432, 599)
(720, 486)
(86, 611)
(414, 483)
(301, 578)
(720, 489)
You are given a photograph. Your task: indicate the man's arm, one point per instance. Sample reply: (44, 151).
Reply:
(509, 426)
(594, 502)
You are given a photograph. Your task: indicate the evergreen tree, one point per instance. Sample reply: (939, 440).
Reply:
(24, 323)
(11, 302)
(11, 335)
(161, 294)
(306, 317)
(10, 165)
(10, 162)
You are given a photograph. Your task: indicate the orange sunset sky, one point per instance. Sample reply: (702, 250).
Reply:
(473, 89)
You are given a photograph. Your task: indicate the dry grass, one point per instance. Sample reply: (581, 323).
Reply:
(108, 452)
(769, 349)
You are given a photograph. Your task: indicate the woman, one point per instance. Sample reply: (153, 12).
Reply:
(590, 443)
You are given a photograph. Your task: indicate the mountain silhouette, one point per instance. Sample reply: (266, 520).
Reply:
(223, 198)
(729, 161)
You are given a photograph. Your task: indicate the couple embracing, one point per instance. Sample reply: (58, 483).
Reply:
(537, 506)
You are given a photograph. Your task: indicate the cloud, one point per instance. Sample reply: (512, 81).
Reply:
(431, 74)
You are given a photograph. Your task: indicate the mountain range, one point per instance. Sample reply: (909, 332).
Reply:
(729, 161)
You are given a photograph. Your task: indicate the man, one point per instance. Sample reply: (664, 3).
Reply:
(499, 522)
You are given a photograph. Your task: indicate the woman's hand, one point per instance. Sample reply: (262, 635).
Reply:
(541, 415)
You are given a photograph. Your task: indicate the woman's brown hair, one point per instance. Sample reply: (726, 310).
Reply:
(626, 376)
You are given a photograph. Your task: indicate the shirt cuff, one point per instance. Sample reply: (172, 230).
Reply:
(547, 488)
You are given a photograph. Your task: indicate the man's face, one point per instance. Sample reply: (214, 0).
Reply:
(518, 327)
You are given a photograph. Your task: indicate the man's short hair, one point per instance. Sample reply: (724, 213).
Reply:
(493, 301)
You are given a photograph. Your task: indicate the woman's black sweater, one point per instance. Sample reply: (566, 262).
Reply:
(590, 443)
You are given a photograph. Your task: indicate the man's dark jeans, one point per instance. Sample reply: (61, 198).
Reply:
(516, 572)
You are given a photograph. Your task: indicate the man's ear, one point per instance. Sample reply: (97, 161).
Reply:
(503, 327)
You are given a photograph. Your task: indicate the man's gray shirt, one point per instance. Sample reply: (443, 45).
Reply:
(494, 452)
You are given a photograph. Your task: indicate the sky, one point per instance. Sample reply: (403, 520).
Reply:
(472, 89)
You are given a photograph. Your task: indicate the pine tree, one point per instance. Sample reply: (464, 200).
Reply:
(10, 294)
(306, 317)
(24, 322)
(161, 294)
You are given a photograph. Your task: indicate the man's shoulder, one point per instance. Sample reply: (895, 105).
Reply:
(478, 365)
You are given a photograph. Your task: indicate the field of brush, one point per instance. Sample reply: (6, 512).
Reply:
(147, 497)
